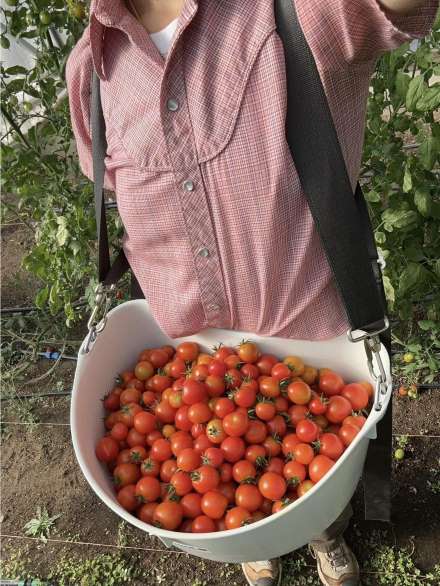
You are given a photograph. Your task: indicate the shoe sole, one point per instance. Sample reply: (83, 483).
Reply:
(279, 577)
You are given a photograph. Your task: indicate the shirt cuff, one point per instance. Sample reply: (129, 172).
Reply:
(414, 26)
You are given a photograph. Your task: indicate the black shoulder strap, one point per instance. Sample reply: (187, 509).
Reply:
(341, 219)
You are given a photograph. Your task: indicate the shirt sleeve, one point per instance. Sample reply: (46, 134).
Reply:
(79, 67)
(360, 31)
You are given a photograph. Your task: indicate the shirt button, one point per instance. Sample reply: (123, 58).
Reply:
(203, 252)
(188, 185)
(172, 105)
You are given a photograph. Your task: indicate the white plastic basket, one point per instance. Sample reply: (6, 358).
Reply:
(130, 328)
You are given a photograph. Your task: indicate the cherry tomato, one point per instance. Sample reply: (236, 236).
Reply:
(299, 393)
(233, 449)
(181, 420)
(191, 505)
(215, 431)
(247, 496)
(223, 406)
(179, 441)
(164, 412)
(297, 413)
(309, 375)
(338, 409)
(357, 395)
(112, 402)
(275, 465)
(214, 504)
(203, 524)
(280, 371)
(294, 472)
(138, 454)
(272, 486)
(144, 422)
(347, 433)
(168, 515)
(250, 370)
(127, 498)
(256, 454)
(215, 384)
(146, 512)
(236, 424)
(134, 438)
(150, 467)
(307, 431)
(265, 410)
(147, 489)
(194, 392)
(205, 478)
(243, 471)
(318, 405)
(143, 370)
(303, 453)
(305, 487)
(148, 398)
(217, 368)
(248, 352)
(119, 431)
(281, 404)
(167, 470)
(277, 426)
(256, 432)
(199, 413)
(177, 368)
(181, 482)
(295, 364)
(272, 446)
(213, 457)
(357, 420)
(330, 445)
(330, 383)
(245, 396)
(319, 466)
(188, 351)
(125, 474)
(289, 442)
(188, 459)
(161, 450)
(202, 443)
(269, 387)
(107, 449)
(237, 517)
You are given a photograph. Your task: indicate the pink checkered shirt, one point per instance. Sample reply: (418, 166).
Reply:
(217, 228)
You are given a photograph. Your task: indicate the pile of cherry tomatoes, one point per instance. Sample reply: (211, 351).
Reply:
(200, 442)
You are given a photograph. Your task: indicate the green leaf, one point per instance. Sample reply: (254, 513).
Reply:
(413, 275)
(393, 219)
(372, 196)
(423, 202)
(389, 291)
(402, 84)
(15, 70)
(415, 91)
(407, 180)
(426, 324)
(62, 235)
(430, 99)
(41, 297)
(428, 151)
(380, 237)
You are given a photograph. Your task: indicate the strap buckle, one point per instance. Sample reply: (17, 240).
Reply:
(352, 338)
(372, 349)
(98, 317)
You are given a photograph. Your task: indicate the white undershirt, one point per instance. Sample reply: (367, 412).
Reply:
(162, 39)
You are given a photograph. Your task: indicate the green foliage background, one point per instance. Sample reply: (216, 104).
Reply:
(400, 176)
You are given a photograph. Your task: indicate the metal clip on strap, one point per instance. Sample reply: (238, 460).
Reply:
(98, 317)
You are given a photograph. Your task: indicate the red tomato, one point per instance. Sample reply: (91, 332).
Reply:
(127, 498)
(233, 449)
(223, 406)
(107, 449)
(338, 409)
(289, 442)
(256, 453)
(347, 433)
(235, 424)
(215, 431)
(188, 459)
(228, 489)
(123, 457)
(215, 384)
(202, 443)
(112, 402)
(330, 445)
(143, 370)
(275, 465)
(307, 431)
(256, 432)
(164, 412)
(272, 446)
(125, 474)
(147, 489)
(168, 515)
(167, 470)
(245, 396)
(213, 457)
(177, 368)
(119, 431)
(299, 393)
(248, 352)
(237, 517)
(297, 413)
(243, 471)
(200, 372)
(281, 404)
(269, 387)
(319, 466)
(203, 524)
(134, 438)
(205, 478)
(188, 351)
(148, 398)
(248, 497)
(272, 486)
(194, 392)
(250, 371)
(233, 378)
(197, 429)
(191, 505)
(161, 450)
(357, 395)
(150, 467)
(265, 363)
(217, 368)
(137, 454)
(146, 512)
(199, 413)
(181, 420)
(214, 504)
(160, 382)
(294, 473)
(280, 371)
(330, 383)
(318, 405)
(158, 357)
(305, 487)
(357, 420)
(179, 441)
(232, 361)
(303, 453)
(144, 422)
(181, 482)
(277, 426)
(265, 410)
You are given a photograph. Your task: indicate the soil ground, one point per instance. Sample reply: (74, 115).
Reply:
(39, 469)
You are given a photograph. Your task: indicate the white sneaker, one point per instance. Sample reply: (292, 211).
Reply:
(264, 573)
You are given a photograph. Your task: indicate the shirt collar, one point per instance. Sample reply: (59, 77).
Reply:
(114, 13)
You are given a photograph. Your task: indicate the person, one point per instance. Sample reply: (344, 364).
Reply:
(216, 227)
